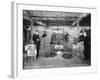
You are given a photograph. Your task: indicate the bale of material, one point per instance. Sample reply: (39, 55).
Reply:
(52, 54)
(67, 56)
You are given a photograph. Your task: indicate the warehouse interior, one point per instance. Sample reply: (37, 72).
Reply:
(56, 50)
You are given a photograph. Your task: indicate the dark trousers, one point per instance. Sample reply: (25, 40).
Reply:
(87, 52)
(38, 48)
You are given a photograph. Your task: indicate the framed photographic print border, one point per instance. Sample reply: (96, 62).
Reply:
(17, 65)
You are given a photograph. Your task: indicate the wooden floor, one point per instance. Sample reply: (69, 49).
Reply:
(54, 62)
